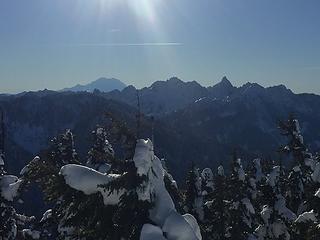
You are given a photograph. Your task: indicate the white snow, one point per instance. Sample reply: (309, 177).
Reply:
(280, 207)
(100, 167)
(194, 224)
(207, 176)
(279, 228)
(164, 210)
(47, 215)
(33, 234)
(176, 227)
(258, 174)
(297, 133)
(88, 181)
(163, 213)
(248, 204)
(266, 213)
(200, 99)
(241, 173)
(310, 162)
(25, 169)
(154, 189)
(306, 217)
(317, 194)
(273, 177)
(296, 169)
(9, 186)
(1, 159)
(173, 182)
(220, 171)
(316, 173)
(151, 232)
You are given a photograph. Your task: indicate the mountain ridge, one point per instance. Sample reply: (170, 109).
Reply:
(164, 97)
(102, 84)
(192, 122)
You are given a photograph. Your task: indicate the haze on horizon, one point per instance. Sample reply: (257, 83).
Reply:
(57, 44)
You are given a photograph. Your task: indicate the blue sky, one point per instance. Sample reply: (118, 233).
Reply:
(55, 44)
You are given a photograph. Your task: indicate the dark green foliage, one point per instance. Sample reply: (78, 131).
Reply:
(174, 192)
(193, 195)
(240, 221)
(226, 215)
(44, 171)
(131, 213)
(216, 211)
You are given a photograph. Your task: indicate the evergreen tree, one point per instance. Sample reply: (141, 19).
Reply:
(207, 182)
(172, 188)
(193, 196)
(307, 225)
(240, 209)
(216, 209)
(101, 154)
(256, 177)
(295, 189)
(44, 171)
(275, 217)
(300, 180)
(11, 223)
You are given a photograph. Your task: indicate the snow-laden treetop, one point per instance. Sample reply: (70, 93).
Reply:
(169, 223)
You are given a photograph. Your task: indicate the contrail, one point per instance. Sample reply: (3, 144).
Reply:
(128, 44)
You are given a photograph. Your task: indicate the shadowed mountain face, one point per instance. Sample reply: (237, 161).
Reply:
(192, 123)
(101, 84)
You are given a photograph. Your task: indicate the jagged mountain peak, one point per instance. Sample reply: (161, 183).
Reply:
(222, 89)
(225, 82)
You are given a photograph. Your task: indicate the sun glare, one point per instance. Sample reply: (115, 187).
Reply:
(145, 10)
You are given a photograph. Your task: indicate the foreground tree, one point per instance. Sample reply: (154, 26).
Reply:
(240, 209)
(193, 196)
(216, 223)
(275, 217)
(11, 223)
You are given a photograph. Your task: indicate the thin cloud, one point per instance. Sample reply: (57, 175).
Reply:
(155, 44)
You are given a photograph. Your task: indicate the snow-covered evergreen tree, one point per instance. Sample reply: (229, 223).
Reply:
(307, 224)
(44, 171)
(11, 223)
(101, 154)
(255, 178)
(276, 218)
(240, 209)
(300, 179)
(207, 182)
(194, 198)
(172, 188)
(144, 208)
(215, 223)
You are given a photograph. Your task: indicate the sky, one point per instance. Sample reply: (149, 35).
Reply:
(60, 43)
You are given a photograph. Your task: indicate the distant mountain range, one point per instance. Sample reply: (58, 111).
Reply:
(192, 122)
(101, 84)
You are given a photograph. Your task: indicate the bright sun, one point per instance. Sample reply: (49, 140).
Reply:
(144, 9)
